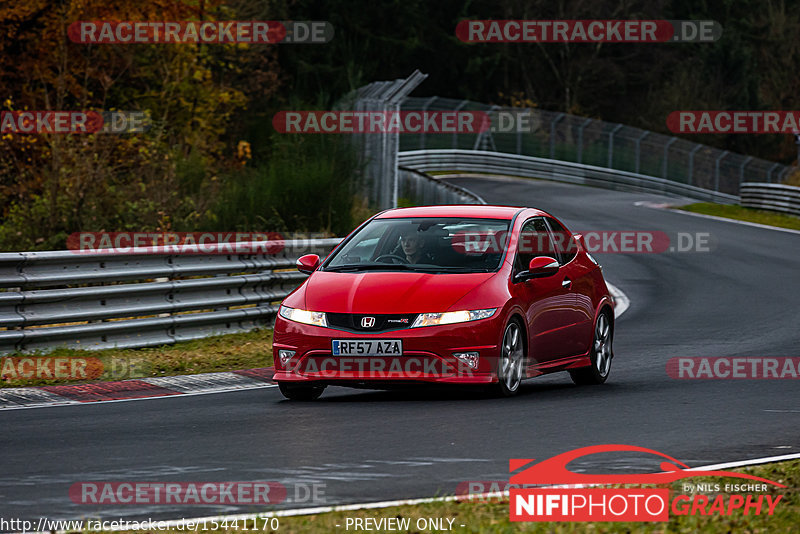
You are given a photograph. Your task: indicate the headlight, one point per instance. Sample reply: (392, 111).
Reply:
(432, 319)
(304, 316)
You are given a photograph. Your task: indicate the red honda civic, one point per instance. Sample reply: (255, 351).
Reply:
(467, 294)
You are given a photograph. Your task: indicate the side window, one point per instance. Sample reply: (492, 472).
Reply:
(564, 242)
(534, 240)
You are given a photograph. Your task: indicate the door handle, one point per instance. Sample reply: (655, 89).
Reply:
(566, 283)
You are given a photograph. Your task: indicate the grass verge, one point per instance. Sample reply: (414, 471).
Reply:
(228, 352)
(740, 213)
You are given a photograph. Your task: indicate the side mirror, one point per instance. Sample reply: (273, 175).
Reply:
(539, 267)
(308, 263)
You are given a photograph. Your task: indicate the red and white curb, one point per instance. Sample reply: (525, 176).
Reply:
(143, 388)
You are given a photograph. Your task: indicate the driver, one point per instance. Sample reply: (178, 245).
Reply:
(412, 245)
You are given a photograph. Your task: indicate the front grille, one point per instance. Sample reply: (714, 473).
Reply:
(383, 323)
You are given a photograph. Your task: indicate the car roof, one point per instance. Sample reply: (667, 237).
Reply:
(480, 211)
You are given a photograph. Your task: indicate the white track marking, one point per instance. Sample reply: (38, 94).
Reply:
(744, 463)
(621, 300)
(715, 218)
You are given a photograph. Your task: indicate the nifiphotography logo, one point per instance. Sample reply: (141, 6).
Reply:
(572, 496)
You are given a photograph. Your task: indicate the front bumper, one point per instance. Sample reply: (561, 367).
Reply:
(427, 354)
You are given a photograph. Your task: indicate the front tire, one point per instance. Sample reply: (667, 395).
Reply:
(600, 356)
(511, 361)
(301, 392)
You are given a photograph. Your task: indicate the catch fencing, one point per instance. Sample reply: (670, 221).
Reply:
(377, 181)
(594, 143)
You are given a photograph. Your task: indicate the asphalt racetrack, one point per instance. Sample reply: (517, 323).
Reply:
(739, 299)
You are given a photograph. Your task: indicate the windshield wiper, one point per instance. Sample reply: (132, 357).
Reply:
(354, 267)
(370, 267)
(464, 269)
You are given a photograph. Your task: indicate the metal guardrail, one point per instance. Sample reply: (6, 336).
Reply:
(561, 171)
(80, 300)
(774, 197)
(421, 189)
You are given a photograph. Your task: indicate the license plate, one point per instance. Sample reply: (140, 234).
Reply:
(367, 347)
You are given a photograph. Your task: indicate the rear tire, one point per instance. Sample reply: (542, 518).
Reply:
(601, 354)
(510, 365)
(301, 392)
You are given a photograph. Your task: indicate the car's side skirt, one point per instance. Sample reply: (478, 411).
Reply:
(562, 364)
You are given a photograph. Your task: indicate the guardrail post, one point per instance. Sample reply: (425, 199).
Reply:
(781, 176)
(580, 139)
(769, 172)
(455, 132)
(716, 170)
(741, 168)
(639, 150)
(617, 128)
(691, 163)
(480, 141)
(666, 157)
(519, 132)
(553, 135)
(422, 130)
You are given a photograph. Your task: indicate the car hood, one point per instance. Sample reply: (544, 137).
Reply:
(387, 292)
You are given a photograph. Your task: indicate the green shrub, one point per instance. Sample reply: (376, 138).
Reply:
(306, 184)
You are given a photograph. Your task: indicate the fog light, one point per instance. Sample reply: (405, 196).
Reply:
(470, 358)
(285, 356)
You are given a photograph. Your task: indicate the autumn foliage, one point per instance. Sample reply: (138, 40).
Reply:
(51, 185)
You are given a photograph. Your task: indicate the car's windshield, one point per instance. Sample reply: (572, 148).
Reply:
(431, 244)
